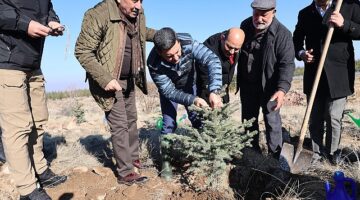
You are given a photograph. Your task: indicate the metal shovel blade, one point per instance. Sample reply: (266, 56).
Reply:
(302, 163)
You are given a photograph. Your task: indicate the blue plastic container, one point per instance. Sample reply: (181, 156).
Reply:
(339, 191)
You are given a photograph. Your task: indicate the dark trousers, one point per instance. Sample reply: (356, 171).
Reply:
(169, 113)
(252, 99)
(122, 120)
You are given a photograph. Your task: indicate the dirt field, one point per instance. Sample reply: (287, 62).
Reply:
(83, 152)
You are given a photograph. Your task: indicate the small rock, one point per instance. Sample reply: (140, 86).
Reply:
(101, 197)
(102, 171)
(69, 124)
(81, 169)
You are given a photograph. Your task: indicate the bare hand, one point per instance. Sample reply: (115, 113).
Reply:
(279, 97)
(37, 30)
(307, 56)
(56, 28)
(337, 19)
(200, 102)
(215, 101)
(113, 85)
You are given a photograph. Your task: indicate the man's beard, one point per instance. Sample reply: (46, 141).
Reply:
(262, 26)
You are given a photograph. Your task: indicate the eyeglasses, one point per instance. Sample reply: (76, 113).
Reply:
(229, 47)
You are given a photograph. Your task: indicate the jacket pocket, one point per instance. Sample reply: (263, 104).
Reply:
(338, 54)
(103, 98)
(5, 48)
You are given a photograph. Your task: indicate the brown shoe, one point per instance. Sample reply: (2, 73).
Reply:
(132, 178)
(138, 164)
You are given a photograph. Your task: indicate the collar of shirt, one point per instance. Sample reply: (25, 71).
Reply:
(322, 11)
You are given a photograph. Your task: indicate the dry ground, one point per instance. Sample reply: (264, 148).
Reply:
(83, 152)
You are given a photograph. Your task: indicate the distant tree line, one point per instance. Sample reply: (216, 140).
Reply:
(68, 94)
(299, 71)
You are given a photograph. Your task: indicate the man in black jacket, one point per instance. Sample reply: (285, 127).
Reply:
(337, 79)
(265, 71)
(226, 45)
(24, 24)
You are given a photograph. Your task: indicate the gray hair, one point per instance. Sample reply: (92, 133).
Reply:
(164, 39)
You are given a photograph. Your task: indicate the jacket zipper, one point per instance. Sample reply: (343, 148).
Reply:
(118, 72)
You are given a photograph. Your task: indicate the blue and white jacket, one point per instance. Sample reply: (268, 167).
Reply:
(163, 75)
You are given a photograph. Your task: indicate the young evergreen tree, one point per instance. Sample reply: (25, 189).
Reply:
(212, 147)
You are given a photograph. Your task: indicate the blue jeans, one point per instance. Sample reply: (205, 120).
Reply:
(169, 113)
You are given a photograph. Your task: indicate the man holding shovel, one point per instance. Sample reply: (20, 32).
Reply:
(337, 78)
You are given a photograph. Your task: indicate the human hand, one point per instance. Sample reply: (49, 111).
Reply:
(215, 100)
(307, 56)
(279, 98)
(337, 19)
(36, 30)
(113, 85)
(56, 28)
(200, 102)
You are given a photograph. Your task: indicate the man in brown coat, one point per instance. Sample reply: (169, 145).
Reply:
(111, 48)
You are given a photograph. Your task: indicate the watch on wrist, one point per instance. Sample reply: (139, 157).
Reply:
(217, 92)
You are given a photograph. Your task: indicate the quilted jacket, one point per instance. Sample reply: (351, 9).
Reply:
(100, 49)
(165, 75)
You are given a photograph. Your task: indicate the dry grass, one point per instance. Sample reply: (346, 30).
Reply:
(71, 156)
(291, 191)
(148, 103)
(67, 149)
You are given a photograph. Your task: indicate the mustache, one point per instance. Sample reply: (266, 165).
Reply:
(135, 10)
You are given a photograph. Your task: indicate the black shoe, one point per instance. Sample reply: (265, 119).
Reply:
(275, 155)
(335, 158)
(37, 194)
(48, 179)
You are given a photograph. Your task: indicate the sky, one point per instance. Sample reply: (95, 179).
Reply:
(200, 18)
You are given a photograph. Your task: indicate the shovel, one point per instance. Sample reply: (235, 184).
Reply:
(300, 160)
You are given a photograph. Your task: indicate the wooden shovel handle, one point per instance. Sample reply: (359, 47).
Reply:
(316, 83)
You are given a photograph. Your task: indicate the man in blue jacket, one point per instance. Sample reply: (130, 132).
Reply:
(24, 24)
(172, 67)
